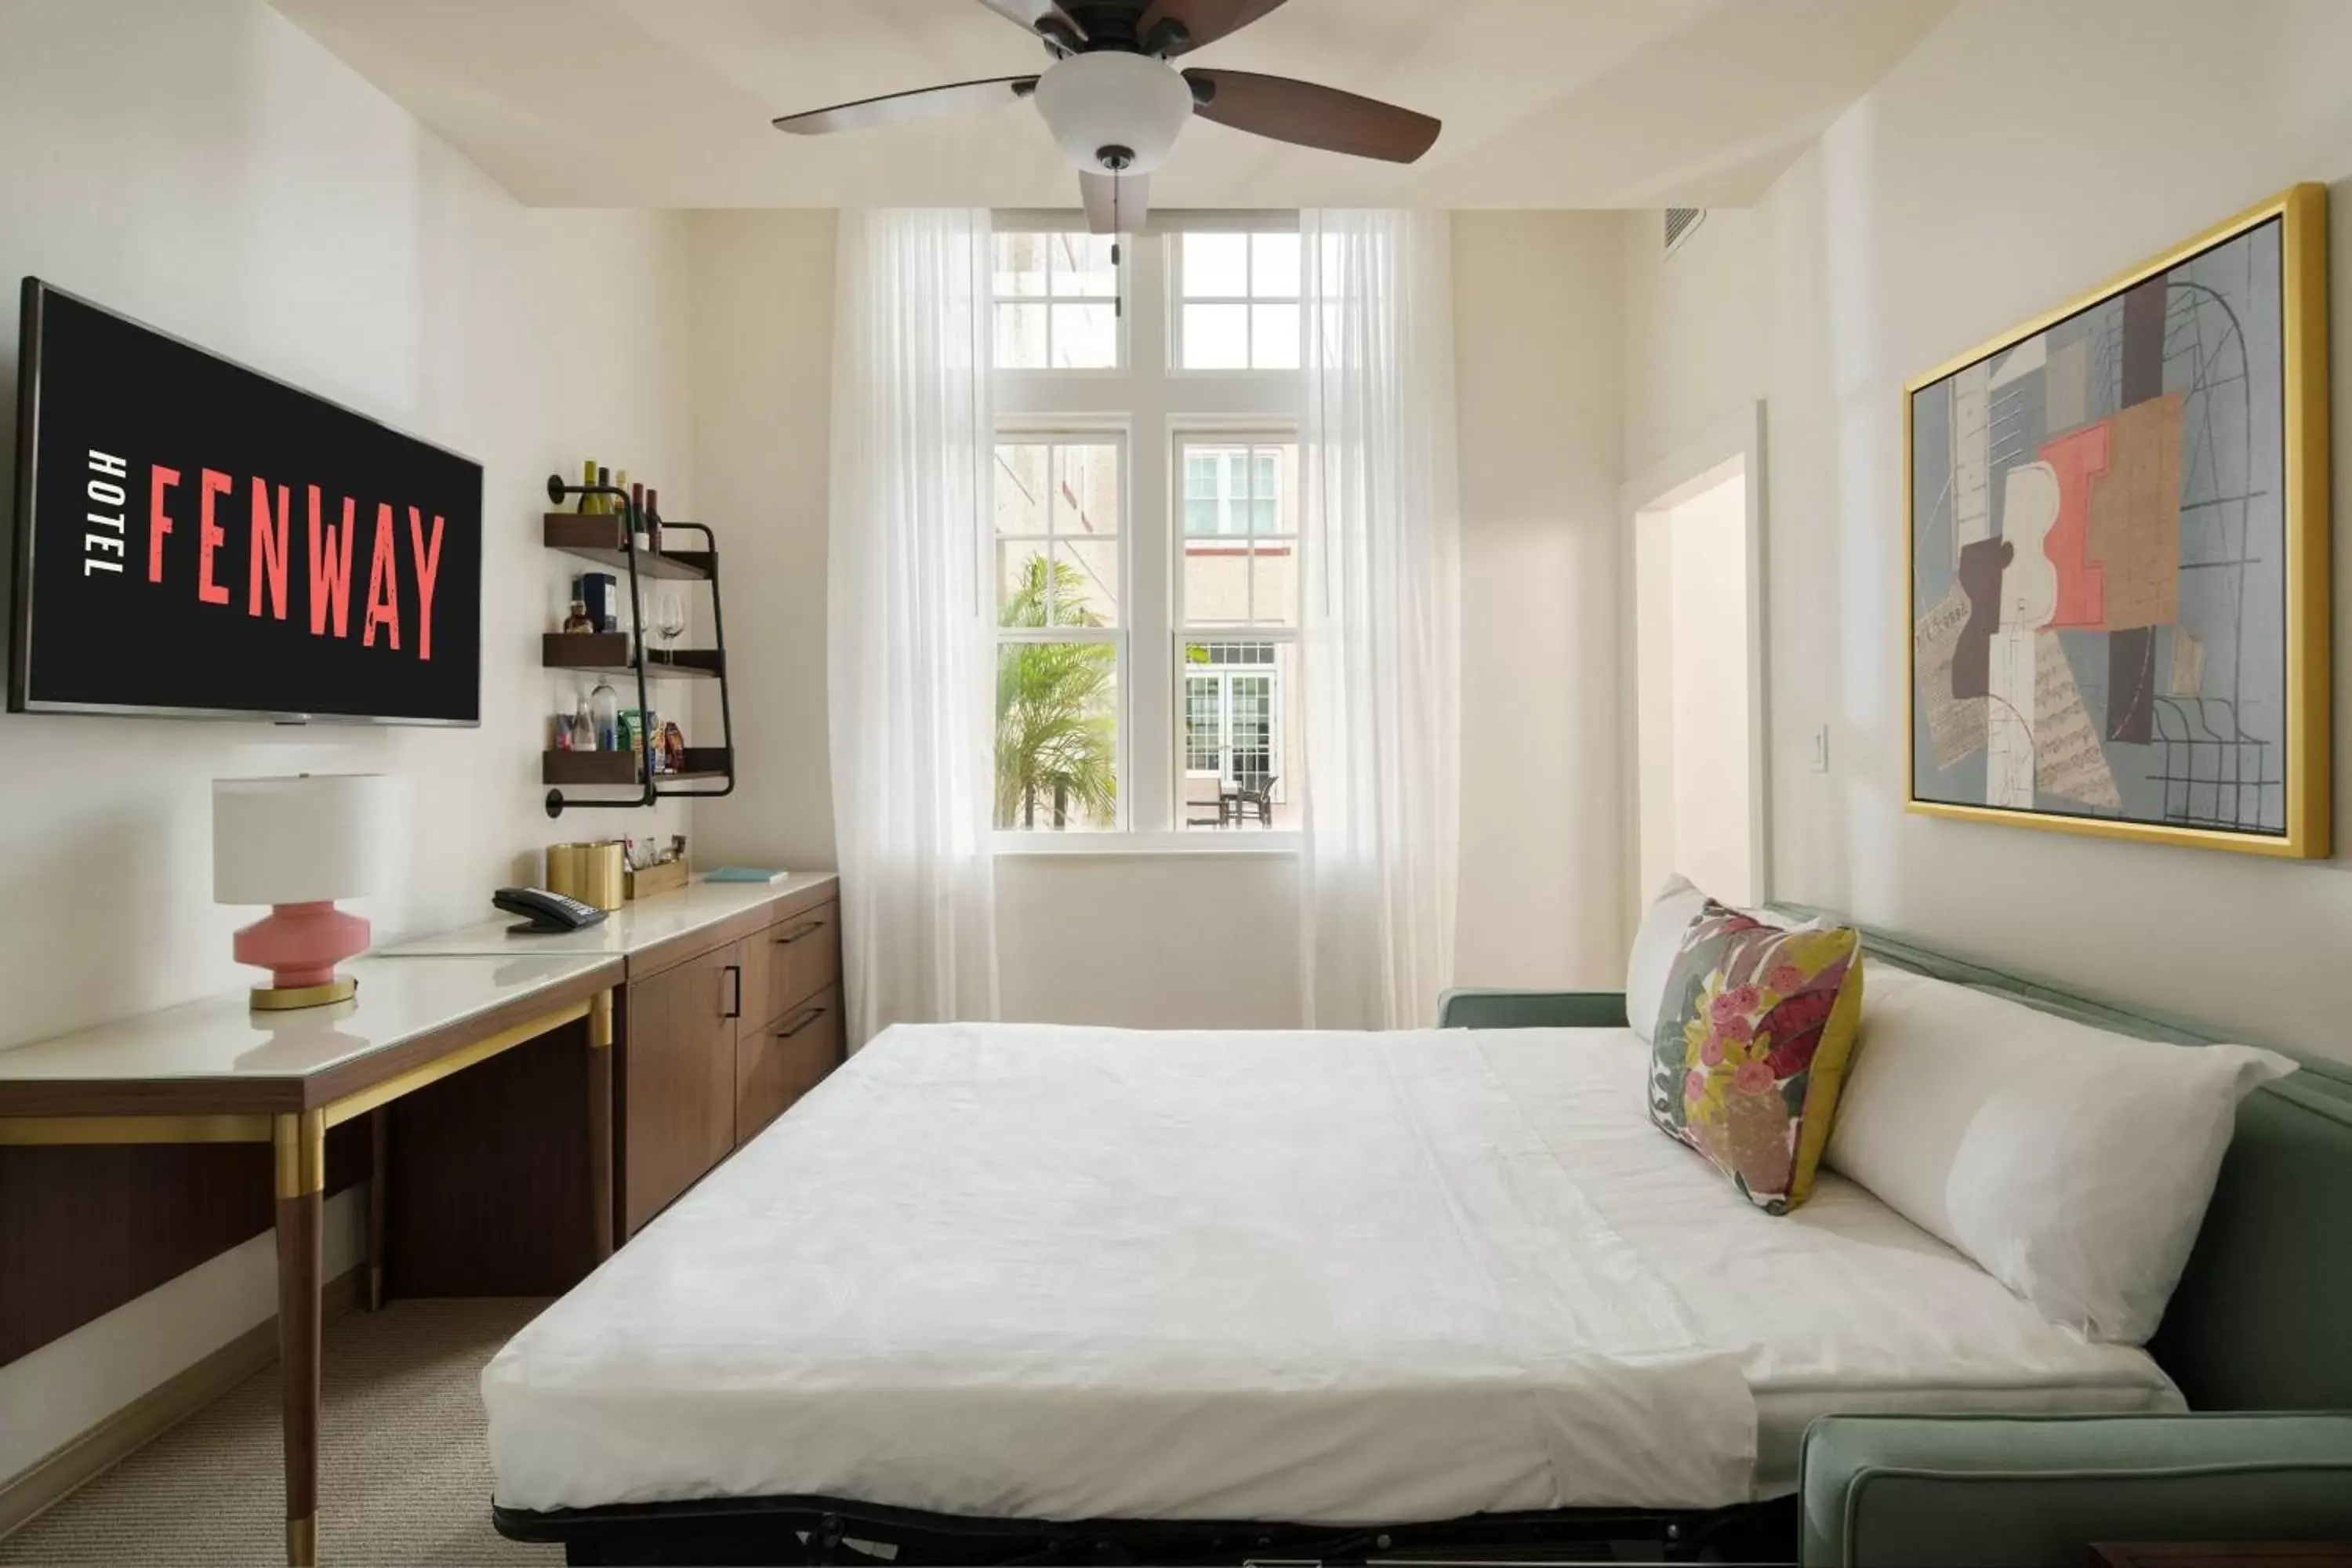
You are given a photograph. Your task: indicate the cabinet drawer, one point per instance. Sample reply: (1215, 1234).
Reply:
(774, 1066)
(806, 952)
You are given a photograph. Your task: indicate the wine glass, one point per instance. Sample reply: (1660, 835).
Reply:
(669, 622)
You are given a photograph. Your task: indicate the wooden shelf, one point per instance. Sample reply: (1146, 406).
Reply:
(619, 769)
(607, 653)
(599, 537)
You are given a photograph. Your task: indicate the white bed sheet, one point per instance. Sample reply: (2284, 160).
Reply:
(1023, 1271)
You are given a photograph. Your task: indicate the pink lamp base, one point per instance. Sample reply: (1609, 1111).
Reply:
(300, 944)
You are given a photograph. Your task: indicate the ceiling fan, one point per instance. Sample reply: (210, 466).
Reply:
(1115, 104)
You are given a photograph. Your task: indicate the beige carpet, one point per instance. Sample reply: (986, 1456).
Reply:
(404, 1478)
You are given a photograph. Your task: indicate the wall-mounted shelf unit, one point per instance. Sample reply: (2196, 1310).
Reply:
(610, 540)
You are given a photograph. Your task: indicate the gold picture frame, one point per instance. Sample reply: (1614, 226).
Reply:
(2042, 663)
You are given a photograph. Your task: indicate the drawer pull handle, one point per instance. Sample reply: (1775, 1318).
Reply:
(799, 931)
(735, 974)
(800, 1020)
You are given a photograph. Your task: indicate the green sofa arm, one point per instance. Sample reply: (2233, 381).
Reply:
(2000, 1491)
(1470, 1009)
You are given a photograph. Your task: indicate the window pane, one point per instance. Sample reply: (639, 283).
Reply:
(1238, 740)
(1021, 337)
(1216, 584)
(1021, 481)
(1216, 337)
(1023, 583)
(1273, 337)
(1201, 516)
(1273, 265)
(1056, 735)
(1020, 263)
(1082, 267)
(1266, 473)
(1274, 585)
(1086, 581)
(1265, 515)
(1200, 476)
(1085, 489)
(1086, 337)
(1216, 265)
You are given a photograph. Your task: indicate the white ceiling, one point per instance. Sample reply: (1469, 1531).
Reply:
(1546, 103)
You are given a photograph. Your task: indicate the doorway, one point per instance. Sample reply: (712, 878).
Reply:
(1697, 647)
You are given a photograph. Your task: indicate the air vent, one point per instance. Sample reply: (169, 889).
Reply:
(1680, 221)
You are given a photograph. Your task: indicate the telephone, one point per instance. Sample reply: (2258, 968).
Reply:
(545, 912)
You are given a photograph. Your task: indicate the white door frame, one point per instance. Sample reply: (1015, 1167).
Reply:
(1689, 469)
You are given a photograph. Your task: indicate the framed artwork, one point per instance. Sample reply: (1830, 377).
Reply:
(2118, 548)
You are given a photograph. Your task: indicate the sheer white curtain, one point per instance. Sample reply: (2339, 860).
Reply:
(1382, 622)
(910, 677)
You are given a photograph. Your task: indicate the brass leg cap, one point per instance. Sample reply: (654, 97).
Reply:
(302, 1542)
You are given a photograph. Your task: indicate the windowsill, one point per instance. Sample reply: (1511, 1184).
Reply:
(1246, 841)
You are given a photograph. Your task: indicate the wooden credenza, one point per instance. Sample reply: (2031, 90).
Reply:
(722, 1029)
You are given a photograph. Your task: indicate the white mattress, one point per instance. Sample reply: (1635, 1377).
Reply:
(1019, 1271)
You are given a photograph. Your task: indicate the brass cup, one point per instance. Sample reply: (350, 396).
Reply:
(592, 873)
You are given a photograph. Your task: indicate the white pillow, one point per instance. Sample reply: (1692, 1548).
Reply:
(2074, 1164)
(1655, 946)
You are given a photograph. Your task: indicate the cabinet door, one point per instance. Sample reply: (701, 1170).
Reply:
(807, 948)
(679, 1085)
(778, 1064)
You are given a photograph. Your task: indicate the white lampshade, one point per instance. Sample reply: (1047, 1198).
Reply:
(1114, 100)
(299, 840)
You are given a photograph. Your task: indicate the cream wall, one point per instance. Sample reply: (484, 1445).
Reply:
(2020, 154)
(1211, 940)
(208, 168)
(1536, 372)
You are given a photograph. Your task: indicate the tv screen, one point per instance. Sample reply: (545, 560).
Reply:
(194, 537)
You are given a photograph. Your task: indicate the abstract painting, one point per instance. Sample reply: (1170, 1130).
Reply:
(2118, 553)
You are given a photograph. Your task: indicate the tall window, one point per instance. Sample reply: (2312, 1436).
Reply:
(1146, 539)
(1240, 576)
(1057, 506)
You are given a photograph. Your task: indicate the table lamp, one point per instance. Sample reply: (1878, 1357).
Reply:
(298, 843)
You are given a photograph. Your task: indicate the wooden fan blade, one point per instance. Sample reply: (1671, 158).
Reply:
(1312, 115)
(1115, 203)
(1039, 16)
(1203, 21)
(899, 108)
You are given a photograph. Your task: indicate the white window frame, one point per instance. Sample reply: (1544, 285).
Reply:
(1078, 433)
(1150, 404)
(1121, 306)
(1178, 299)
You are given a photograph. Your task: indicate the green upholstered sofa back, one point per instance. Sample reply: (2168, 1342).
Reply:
(2262, 1319)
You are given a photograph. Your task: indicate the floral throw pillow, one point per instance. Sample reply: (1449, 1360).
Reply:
(1751, 1045)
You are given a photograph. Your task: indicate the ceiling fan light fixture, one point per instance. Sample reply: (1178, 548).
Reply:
(1111, 101)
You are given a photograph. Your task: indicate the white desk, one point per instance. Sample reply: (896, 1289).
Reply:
(629, 932)
(216, 1072)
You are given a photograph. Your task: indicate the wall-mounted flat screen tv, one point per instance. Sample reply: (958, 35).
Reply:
(196, 538)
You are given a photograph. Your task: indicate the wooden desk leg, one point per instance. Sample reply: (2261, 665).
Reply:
(600, 1121)
(379, 1185)
(301, 1142)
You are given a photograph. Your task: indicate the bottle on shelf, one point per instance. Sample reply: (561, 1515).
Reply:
(653, 521)
(604, 707)
(603, 502)
(587, 478)
(578, 620)
(583, 726)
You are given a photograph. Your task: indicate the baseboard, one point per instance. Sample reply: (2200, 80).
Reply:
(27, 1496)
